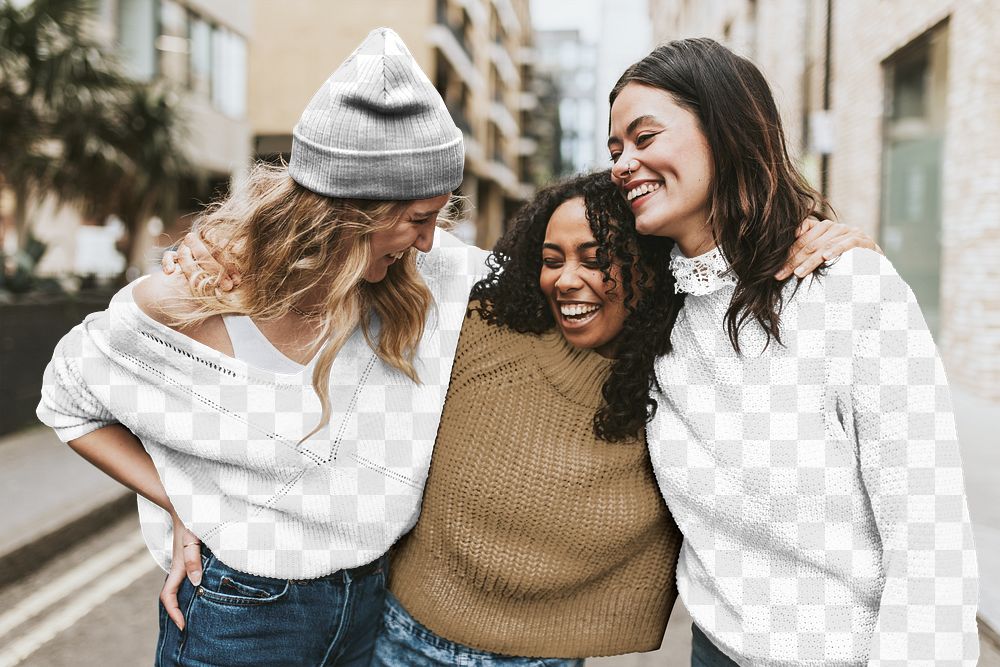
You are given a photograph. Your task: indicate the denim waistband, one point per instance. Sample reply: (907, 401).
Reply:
(353, 573)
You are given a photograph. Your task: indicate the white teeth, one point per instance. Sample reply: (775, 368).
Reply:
(642, 189)
(577, 308)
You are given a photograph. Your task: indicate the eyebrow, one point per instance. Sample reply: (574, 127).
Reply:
(425, 214)
(583, 246)
(631, 127)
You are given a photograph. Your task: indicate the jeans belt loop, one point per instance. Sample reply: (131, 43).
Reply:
(364, 570)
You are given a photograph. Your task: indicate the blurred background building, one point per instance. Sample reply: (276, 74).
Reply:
(568, 63)
(201, 47)
(579, 56)
(240, 74)
(198, 50)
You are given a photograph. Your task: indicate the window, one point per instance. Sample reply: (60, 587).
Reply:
(201, 57)
(229, 73)
(912, 159)
(172, 42)
(136, 33)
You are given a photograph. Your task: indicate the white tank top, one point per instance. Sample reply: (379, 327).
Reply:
(253, 347)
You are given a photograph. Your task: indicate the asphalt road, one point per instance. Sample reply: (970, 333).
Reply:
(95, 606)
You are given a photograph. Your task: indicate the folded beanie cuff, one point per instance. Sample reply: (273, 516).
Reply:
(300, 138)
(390, 175)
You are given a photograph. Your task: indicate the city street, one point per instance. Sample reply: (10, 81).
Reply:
(95, 605)
(125, 125)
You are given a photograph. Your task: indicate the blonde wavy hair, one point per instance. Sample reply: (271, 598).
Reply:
(286, 242)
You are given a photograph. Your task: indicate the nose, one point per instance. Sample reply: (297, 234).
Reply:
(568, 279)
(620, 172)
(425, 238)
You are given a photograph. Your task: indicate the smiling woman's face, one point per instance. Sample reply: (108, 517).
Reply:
(588, 315)
(414, 229)
(662, 162)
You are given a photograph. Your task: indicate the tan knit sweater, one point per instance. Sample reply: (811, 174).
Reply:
(536, 538)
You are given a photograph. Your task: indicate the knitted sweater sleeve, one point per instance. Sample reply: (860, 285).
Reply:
(68, 403)
(910, 466)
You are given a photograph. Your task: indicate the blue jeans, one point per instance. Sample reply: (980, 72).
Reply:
(234, 618)
(403, 641)
(706, 654)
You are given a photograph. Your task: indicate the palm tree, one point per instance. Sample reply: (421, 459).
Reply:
(157, 162)
(74, 125)
(50, 69)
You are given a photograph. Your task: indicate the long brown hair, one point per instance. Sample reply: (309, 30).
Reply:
(757, 197)
(287, 241)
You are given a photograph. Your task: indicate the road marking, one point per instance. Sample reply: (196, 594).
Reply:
(80, 590)
(79, 578)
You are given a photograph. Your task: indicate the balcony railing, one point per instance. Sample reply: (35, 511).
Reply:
(457, 31)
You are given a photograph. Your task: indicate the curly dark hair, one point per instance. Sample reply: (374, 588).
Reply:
(510, 295)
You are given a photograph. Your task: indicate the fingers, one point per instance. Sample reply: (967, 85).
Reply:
(850, 237)
(168, 595)
(800, 255)
(197, 246)
(213, 259)
(192, 559)
(169, 261)
(805, 226)
(807, 263)
(229, 278)
(189, 267)
(839, 247)
(200, 266)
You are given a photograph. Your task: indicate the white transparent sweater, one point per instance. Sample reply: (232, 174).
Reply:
(817, 482)
(225, 436)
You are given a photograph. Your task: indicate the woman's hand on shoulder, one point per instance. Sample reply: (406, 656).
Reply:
(201, 264)
(820, 241)
(167, 299)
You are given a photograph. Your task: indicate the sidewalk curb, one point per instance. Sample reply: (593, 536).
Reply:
(27, 558)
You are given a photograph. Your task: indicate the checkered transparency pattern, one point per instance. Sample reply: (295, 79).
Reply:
(817, 482)
(225, 436)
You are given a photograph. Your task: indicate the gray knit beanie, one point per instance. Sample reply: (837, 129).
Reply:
(377, 129)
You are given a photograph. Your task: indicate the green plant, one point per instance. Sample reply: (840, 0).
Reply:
(74, 126)
(17, 270)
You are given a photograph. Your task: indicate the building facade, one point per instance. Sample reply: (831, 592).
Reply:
(569, 62)
(477, 53)
(891, 110)
(199, 48)
(202, 48)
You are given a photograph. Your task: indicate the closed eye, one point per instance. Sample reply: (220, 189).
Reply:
(643, 138)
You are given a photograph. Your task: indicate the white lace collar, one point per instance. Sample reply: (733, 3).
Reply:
(700, 275)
